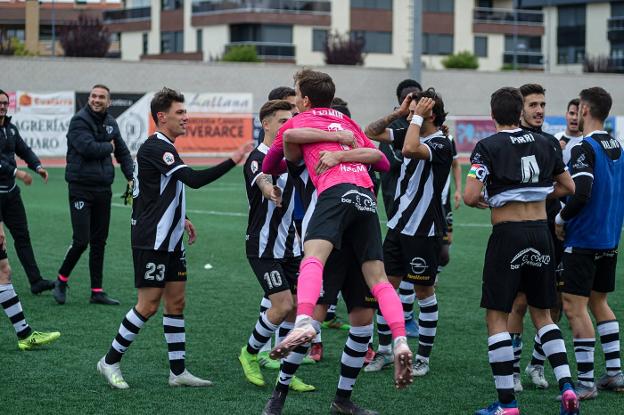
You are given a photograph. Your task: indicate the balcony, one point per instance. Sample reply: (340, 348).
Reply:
(274, 6)
(128, 20)
(296, 12)
(269, 51)
(615, 29)
(524, 60)
(508, 21)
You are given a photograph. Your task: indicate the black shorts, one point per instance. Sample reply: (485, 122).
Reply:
(584, 272)
(519, 257)
(448, 225)
(156, 268)
(343, 273)
(415, 258)
(276, 275)
(3, 254)
(347, 209)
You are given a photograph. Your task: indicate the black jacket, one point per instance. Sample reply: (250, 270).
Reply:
(89, 161)
(11, 144)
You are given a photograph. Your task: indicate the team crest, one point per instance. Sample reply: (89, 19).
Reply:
(168, 158)
(109, 129)
(254, 166)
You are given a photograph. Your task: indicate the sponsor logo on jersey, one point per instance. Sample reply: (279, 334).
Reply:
(168, 158)
(531, 257)
(580, 163)
(419, 265)
(361, 201)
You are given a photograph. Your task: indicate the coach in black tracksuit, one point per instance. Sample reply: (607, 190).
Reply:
(11, 207)
(92, 137)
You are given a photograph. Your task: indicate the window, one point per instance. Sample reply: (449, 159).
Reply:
(434, 44)
(617, 9)
(261, 33)
(571, 34)
(171, 4)
(139, 3)
(371, 4)
(319, 37)
(16, 33)
(524, 44)
(199, 40)
(439, 6)
(171, 42)
(485, 3)
(571, 16)
(481, 46)
(145, 43)
(375, 42)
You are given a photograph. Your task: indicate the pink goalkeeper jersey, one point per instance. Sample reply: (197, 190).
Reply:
(329, 120)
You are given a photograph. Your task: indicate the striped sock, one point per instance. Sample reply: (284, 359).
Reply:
(261, 334)
(128, 330)
(353, 358)
(265, 304)
(173, 326)
(538, 358)
(283, 330)
(13, 308)
(584, 353)
(385, 336)
(516, 343)
(555, 351)
(427, 326)
(500, 355)
(610, 340)
(407, 296)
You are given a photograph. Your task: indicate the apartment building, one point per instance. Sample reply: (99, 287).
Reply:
(34, 22)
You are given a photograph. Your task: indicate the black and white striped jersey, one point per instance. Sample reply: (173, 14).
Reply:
(417, 206)
(516, 166)
(271, 230)
(159, 205)
(446, 192)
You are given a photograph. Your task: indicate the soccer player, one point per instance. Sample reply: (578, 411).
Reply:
(27, 338)
(532, 120)
(11, 205)
(416, 223)
(342, 273)
(590, 225)
(513, 173)
(158, 225)
(572, 135)
(346, 206)
(272, 244)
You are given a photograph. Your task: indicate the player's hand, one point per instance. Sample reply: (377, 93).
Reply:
(24, 176)
(242, 152)
(482, 204)
(424, 107)
(327, 160)
(404, 109)
(560, 232)
(190, 229)
(346, 137)
(113, 144)
(127, 195)
(43, 173)
(457, 197)
(276, 196)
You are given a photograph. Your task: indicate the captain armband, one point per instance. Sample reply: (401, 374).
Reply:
(479, 172)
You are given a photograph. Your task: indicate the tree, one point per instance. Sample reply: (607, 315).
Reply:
(344, 49)
(85, 37)
(241, 53)
(461, 60)
(12, 46)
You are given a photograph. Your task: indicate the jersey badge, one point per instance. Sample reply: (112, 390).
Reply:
(168, 158)
(254, 166)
